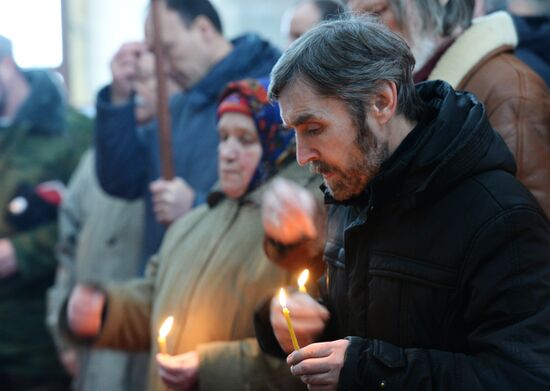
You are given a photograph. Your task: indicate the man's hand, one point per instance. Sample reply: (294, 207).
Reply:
(84, 311)
(124, 68)
(288, 212)
(179, 372)
(319, 364)
(308, 318)
(171, 199)
(8, 260)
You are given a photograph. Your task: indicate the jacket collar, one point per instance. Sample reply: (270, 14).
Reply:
(488, 35)
(248, 53)
(452, 140)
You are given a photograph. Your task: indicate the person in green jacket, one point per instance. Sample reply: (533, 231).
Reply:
(41, 140)
(211, 270)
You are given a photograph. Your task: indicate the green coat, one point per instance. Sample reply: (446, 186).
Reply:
(43, 143)
(210, 274)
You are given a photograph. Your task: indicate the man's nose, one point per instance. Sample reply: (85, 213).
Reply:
(304, 152)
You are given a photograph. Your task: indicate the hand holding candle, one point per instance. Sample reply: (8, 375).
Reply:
(308, 319)
(286, 313)
(163, 333)
(302, 280)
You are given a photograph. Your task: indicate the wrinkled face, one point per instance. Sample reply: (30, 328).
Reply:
(382, 9)
(239, 153)
(182, 45)
(422, 43)
(328, 139)
(145, 86)
(304, 17)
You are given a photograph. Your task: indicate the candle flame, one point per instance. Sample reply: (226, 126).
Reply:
(282, 298)
(303, 278)
(166, 327)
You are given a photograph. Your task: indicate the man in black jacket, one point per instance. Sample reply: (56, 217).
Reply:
(438, 258)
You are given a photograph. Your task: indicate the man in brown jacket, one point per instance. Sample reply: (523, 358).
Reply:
(477, 56)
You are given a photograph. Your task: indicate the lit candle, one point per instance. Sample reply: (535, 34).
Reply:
(163, 333)
(286, 313)
(302, 281)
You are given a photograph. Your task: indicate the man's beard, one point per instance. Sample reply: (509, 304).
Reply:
(366, 160)
(423, 44)
(423, 50)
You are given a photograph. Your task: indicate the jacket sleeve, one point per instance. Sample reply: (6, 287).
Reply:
(34, 252)
(244, 366)
(127, 319)
(506, 296)
(121, 157)
(523, 120)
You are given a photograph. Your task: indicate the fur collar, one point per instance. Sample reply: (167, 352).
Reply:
(488, 35)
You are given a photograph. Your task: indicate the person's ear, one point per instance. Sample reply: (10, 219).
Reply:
(384, 103)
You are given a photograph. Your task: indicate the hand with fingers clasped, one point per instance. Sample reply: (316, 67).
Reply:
(84, 311)
(318, 365)
(288, 212)
(124, 68)
(308, 318)
(171, 199)
(181, 372)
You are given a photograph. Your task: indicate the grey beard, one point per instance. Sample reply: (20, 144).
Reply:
(423, 48)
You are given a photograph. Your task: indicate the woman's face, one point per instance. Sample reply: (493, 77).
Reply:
(239, 153)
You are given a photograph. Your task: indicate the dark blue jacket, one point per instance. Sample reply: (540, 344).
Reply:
(534, 43)
(128, 159)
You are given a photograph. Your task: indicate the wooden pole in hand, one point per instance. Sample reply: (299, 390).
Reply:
(163, 113)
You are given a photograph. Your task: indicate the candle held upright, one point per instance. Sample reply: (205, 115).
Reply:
(286, 313)
(163, 333)
(302, 280)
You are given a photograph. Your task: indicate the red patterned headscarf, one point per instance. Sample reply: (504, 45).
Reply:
(249, 97)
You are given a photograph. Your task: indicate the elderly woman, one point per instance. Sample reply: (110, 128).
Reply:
(211, 270)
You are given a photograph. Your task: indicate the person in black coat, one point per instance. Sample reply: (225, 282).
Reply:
(438, 259)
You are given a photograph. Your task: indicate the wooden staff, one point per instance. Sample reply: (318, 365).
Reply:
(163, 113)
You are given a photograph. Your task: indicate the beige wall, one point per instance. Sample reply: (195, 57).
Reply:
(97, 28)
(260, 16)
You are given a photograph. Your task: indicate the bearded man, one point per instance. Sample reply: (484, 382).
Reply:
(438, 272)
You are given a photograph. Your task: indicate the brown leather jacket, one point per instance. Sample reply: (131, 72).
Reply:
(481, 61)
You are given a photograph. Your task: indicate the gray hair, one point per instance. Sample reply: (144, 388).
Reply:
(347, 59)
(441, 16)
(5, 47)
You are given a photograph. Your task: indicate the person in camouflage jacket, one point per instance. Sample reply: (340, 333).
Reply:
(41, 140)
